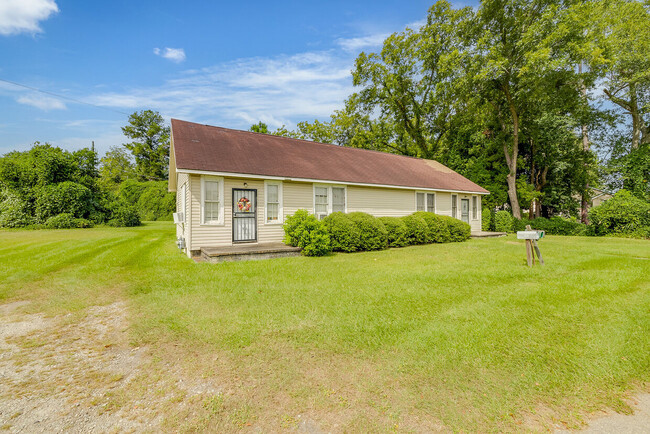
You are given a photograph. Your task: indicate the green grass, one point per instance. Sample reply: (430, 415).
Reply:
(464, 335)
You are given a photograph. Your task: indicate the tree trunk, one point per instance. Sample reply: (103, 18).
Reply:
(511, 158)
(636, 117)
(584, 202)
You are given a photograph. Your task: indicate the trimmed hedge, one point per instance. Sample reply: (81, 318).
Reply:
(416, 229)
(459, 231)
(396, 230)
(125, 215)
(305, 231)
(359, 231)
(552, 226)
(487, 220)
(373, 234)
(344, 232)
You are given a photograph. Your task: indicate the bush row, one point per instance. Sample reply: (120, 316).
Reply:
(622, 215)
(358, 231)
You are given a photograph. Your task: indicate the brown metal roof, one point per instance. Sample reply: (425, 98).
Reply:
(216, 149)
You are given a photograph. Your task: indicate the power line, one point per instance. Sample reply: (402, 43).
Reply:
(62, 96)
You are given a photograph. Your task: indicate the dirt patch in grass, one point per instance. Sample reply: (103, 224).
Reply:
(79, 373)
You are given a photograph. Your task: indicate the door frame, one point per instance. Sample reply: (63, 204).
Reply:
(254, 215)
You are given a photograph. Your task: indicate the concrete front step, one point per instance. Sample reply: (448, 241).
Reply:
(245, 252)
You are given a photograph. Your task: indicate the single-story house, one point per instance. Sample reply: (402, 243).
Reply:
(237, 186)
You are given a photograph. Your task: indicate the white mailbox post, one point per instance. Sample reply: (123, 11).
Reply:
(531, 238)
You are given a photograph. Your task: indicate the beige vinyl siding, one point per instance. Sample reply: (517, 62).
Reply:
(295, 195)
(377, 201)
(183, 180)
(381, 202)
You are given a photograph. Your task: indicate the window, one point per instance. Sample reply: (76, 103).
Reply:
(273, 202)
(454, 205)
(474, 207)
(425, 202)
(328, 200)
(338, 199)
(212, 201)
(419, 206)
(321, 201)
(183, 204)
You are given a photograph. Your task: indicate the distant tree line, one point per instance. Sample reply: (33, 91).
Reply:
(537, 101)
(47, 186)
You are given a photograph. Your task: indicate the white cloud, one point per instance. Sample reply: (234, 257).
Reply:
(41, 101)
(176, 55)
(23, 16)
(358, 44)
(277, 90)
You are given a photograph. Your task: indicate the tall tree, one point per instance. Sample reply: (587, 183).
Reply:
(115, 167)
(410, 80)
(259, 127)
(150, 145)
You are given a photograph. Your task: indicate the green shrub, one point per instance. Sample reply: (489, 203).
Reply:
(15, 212)
(396, 231)
(344, 232)
(153, 200)
(437, 227)
(487, 220)
(305, 231)
(64, 198)
(416, 229)
(124, 215)
(372, 233)
(67, 221)
(623, 214)
(293, 227)
(316, 241)
(503, 221)
(458, 230)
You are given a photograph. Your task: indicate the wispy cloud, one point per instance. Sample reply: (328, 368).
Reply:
(276, 90)
(360, 43)
(42, 102)
(176, 55)
(24, 16)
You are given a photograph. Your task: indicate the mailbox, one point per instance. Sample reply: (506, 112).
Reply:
(530, 235)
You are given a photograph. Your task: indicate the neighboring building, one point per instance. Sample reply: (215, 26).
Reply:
(238, 186)
(598, 197)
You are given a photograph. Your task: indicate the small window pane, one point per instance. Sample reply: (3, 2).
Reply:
(321, 200)
(272, 193)
(474, 208)
(420, 202)
(431, 202)
(454, 206)
(338, 199)
(212, 190)
(272, 211)
(211, 211)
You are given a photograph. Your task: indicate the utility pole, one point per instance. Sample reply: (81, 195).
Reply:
(584, 217)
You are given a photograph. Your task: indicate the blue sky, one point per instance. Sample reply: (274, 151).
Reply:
(221, 63)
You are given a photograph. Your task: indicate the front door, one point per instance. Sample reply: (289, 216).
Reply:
(464, 210)
(244, 215)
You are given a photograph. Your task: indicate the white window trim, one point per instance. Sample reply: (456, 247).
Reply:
(451, 206)
(221, 221)
(478, 209)
(330, 197)
(426, 206)
(280, 219)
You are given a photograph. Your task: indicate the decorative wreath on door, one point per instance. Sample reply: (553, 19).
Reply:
(244, 204)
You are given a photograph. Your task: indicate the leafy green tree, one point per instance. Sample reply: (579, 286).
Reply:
(116, 167)
(259, 127)
(150, 145)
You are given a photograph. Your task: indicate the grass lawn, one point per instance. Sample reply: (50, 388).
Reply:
(462, 337)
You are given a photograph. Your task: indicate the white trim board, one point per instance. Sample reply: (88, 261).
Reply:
(320, 181)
